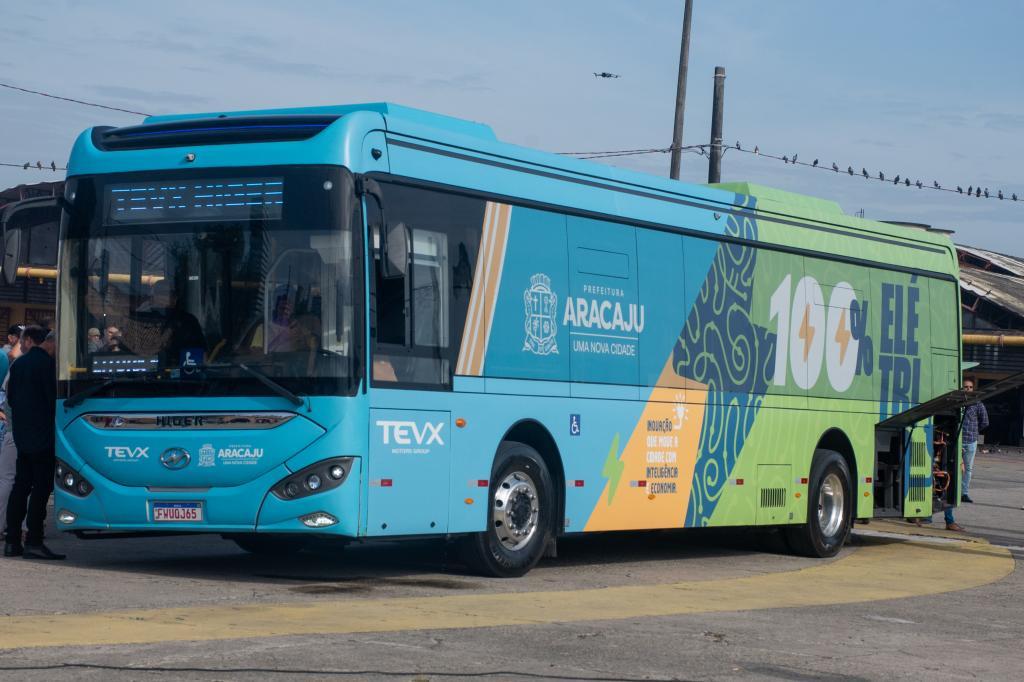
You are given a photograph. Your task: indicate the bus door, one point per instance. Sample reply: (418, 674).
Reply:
(409, 466)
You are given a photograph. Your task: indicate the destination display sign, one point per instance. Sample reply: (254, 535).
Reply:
(163, 201)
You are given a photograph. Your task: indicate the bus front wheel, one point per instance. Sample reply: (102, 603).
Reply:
(829, 508)
(520, 506)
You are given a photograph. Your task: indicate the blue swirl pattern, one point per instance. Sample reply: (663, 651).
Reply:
(721, 347)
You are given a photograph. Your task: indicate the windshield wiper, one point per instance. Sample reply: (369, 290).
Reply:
(86, 393)
(262, 378)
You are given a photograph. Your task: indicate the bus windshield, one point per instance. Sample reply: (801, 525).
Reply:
(210, 283)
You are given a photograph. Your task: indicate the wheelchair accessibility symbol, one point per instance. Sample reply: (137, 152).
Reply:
(574, 425)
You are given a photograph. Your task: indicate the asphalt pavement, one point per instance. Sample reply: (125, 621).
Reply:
(898, 602)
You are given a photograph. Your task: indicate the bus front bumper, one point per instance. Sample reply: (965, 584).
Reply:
(246, 508)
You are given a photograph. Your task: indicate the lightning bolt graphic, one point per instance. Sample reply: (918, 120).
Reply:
(843, 336)
(807, 331)
(612, 469)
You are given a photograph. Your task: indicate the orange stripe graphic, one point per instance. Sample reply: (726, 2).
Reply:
(486, 281)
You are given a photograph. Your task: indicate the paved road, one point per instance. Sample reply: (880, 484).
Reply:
(657, 606)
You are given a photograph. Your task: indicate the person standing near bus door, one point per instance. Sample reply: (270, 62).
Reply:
(975, 419)
(8, 456)
(32, 395)
(13, 338)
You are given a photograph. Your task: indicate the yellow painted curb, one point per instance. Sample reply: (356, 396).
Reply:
(878, 570)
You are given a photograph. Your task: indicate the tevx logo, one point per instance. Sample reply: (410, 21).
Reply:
(405, 432)
(125, 452)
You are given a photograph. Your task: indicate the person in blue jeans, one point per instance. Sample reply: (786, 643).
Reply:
(975, 419)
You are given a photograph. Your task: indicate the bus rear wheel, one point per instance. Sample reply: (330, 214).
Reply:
(271, 545)
(829, 508)
(520, 505)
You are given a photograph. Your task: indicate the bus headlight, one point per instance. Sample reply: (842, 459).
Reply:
(70, 481)
(318, 520)
(314, 479)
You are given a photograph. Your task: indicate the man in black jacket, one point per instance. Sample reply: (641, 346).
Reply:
(32, 395)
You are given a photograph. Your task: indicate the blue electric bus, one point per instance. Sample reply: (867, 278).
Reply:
(371, 321)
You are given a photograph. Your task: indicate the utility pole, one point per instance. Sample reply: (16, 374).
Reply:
(684, 60)
(717, 105)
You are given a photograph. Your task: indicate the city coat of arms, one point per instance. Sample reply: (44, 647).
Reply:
(541, 316)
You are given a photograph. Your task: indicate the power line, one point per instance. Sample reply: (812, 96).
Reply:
(38, 165)
(881, 176)
(897, 179)
(693, 148)
(70, 99)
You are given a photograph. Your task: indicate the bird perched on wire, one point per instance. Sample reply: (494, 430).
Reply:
(906, 181)
(1000, 195)
(959, 189)
(53, 166)
(919, 184)
(896, 181)
(1014, 197)
(864, 172)
(936, 185)
(39, 165)
(977, 192)
(835, 166)
(605, 74)
(757, 150)
(794, 158)
(849, 169)
(25, 167)
(970, 190)
(986, 192)
(785, 159)
(881, 176)
(814, 164)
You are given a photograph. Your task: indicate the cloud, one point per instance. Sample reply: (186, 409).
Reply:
(468, 82)
(1003, 122)
(151, 41)
(147, 97)
(261, 62)
(885, 144)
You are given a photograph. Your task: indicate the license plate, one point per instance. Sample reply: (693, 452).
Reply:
(178, 512)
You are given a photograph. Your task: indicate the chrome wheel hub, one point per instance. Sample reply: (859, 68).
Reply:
(831, 507)
(516, 510)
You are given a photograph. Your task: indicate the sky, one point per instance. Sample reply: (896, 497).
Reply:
(932, 90)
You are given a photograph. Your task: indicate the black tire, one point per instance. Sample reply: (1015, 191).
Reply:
(489, 552)
(270, 544)
(820, 537)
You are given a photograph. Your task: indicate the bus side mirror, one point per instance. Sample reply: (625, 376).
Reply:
(11, 256)
(395, 241)
(396, 251)
(32, 223)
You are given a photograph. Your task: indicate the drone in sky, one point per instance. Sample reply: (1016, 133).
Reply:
(605, 74)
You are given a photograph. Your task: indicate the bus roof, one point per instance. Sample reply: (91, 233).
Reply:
(480, 138)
